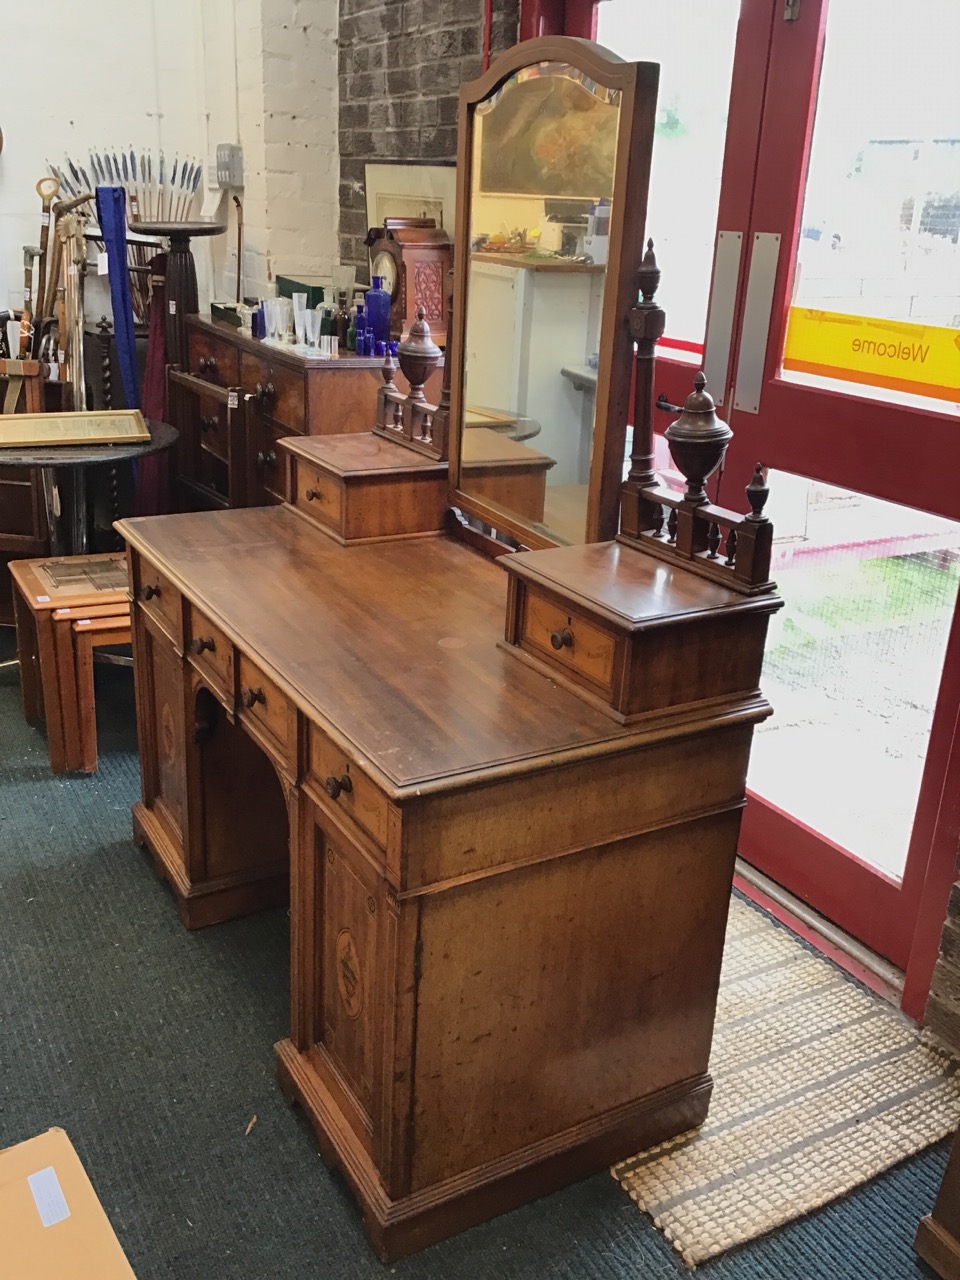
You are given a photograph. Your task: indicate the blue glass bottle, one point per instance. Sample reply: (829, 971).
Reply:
(378, 311)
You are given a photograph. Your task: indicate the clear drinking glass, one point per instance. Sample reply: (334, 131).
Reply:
(344, 279)
(272, 317)
(299, 314)
(312, 325)
(284, 319)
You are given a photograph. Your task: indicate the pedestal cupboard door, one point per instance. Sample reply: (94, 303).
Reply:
(164, 770)
(348, 930)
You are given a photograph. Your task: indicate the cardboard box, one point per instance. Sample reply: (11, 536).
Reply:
(51, 1222)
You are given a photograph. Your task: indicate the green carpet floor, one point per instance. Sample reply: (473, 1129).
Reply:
(152, 1047)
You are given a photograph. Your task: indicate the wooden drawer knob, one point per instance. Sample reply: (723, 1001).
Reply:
(149, 592)
(335, 785)
(250, 697)
(202, 643)
(265, 391)
(207, 364)
(268, 459)
(312, 494)
(208, 423)
(562, 639)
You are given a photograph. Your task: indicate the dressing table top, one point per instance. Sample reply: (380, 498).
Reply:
(392, 647)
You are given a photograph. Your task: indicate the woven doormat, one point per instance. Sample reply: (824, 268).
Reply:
(818, 1087)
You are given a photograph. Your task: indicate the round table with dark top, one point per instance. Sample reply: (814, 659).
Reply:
(66, 466)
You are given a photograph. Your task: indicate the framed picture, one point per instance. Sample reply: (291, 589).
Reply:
(113, 426)
(412, 191)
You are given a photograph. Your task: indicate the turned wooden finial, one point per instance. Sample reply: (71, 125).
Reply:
(757, 491)
(418, 355)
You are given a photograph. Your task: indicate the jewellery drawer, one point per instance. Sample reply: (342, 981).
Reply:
(317, 493)
(278, 391)
(211, 653)
(213, 359)
(160, 599)
(347, 786)
(268, 708)
(563, 637)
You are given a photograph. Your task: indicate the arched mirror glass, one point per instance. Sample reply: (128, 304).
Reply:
(543, 196)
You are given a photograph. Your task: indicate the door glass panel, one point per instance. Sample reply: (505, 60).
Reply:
(688, 143)
(853, 663)
(876, 298)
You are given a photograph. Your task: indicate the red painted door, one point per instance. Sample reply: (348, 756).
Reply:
(805, 204)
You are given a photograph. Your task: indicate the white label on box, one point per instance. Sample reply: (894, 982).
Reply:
(42, 599)
(233, 400)
(102, 264)
(45, 219)
(173, 306)
(48, 1196)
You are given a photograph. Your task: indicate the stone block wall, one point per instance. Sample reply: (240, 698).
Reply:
(401, 64)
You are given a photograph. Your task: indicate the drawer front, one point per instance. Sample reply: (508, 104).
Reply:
(211, 653)
(264, 705)
(161, 600)
(568, 639)
(268, 463)
(212, 430)
(213, 359)
(280, 394)
(317, 494)
(349, 788)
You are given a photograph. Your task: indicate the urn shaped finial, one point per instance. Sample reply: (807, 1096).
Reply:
(418, 355)
(698, 440)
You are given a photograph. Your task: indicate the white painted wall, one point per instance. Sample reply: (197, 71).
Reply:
(182, 75)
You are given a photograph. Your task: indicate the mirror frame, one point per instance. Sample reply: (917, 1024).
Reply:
(638, 83)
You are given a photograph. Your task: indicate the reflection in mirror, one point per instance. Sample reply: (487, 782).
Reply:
(544, 153)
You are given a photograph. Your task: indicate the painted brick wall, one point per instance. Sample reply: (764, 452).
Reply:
(401, 63)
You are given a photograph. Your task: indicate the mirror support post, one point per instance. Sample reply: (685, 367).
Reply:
(647, 323)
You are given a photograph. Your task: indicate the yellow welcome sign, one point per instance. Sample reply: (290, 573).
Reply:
(921, 359)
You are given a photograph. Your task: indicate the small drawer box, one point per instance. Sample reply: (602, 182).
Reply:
(364, 488)
(631, 634)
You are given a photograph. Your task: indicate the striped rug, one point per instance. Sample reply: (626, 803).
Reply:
(818, 1087)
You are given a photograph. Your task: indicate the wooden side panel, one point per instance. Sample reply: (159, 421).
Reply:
(342, 400)
(720, 657)
(383, 508)
(573, 807)
(554, 994)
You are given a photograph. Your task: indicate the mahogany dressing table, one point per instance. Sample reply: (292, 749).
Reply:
(507, 817)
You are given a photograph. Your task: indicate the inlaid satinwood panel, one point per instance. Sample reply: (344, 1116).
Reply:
(165, 781)
(348, 923)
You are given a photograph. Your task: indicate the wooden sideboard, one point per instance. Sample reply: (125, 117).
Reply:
(238, 396)
(507, 908)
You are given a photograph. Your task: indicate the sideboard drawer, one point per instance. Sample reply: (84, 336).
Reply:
(212, 654)
(318, 494)
(348, 787)
(267, 708)
(161, 600)
(213, 359)
(277, 390)
(568, 639)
